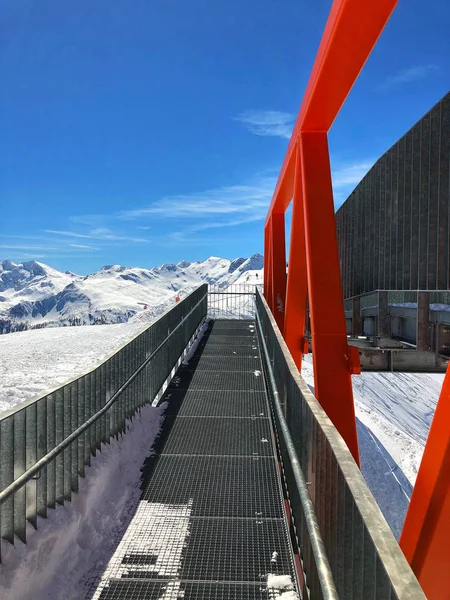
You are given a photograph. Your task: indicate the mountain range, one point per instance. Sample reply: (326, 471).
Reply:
(34, 295)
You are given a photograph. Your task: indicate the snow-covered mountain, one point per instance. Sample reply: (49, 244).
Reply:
(33, 294)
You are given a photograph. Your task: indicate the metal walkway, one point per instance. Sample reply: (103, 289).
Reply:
(211, 523)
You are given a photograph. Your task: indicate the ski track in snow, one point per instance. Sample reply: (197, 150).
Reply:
(394, 413)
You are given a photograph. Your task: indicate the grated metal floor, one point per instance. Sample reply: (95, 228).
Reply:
(210, 524)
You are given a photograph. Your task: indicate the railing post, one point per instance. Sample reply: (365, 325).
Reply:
(296, 288)
(331, 354)
(425, 536)
(278, 268)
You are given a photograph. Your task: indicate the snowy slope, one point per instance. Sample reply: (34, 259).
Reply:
(35, 295)
(394, 412)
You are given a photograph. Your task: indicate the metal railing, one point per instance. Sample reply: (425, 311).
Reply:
(233, 302)
(346, 523)
(45, 444)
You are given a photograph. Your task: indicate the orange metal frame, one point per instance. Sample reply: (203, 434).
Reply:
(313, 274)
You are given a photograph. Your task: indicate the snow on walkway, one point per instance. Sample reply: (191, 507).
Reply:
(32, 362)
(70, 550)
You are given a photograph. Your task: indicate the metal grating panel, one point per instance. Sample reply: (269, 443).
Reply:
(230, 350)
(233, 340)
(220, 437)
(189, 549)
(186, 403)
(175, 590)
(217, 486)
(239, 331)
(226, 380)
(234, 363)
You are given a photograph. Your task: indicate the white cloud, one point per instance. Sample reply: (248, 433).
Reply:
(268, 122)
(248, 199)
(346, 175)
(83, 247)
(408, 75)
(96, 234)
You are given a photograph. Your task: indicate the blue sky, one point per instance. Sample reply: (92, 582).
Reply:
(146, 132)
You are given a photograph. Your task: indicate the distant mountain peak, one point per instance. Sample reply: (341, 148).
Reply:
(36, 295)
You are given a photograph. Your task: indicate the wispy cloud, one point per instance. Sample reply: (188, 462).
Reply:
(249, 199)
(100, 233)
(408, 75)
(350, 174)
(346, 176)
(83, 247)
(268, 122)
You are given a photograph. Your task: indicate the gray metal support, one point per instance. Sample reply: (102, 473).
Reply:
(423, 317)
(383, 314)
(357, 328)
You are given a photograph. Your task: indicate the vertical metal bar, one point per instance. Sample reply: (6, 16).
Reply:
(7, 477)
(74, 445)
(30, 460)
(103, 386)
(19, 468)
(67, 453)
(88, 412)
(93, 407)
(51, 442)
(81, 419)
(42, 482)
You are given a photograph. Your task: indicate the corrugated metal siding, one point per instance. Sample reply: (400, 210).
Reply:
(393, 230)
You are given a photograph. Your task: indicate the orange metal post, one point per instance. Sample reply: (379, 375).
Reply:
(296, 289)
(266, 260)
(278, 244)
(331, 355)
(269, 295)
(425, 538)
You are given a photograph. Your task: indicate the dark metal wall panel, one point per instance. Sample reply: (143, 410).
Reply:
(393, 230)
(433, 197)
(444, 192)
(408, 211)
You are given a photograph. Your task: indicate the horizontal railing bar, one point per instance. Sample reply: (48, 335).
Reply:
(318, 547)
(23, 479)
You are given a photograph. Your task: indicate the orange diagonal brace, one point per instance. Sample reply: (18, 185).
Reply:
(425, 538)
(352, 30)
(296, 289)
(332, 377)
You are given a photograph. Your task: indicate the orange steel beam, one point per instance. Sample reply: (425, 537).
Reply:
(351, 32)
(278, 245)
(296, 289)
(425, 536)
(331, 355)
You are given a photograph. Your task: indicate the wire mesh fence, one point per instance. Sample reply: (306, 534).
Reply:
(233, 302)
(45, 444)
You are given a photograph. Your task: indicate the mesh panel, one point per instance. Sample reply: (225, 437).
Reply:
(210, 482)
(186, 403)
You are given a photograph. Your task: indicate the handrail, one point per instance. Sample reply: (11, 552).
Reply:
(326, 581)
(362, 551)
(42, 462)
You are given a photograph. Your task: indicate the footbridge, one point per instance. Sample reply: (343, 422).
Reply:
(253, 489)
(250, 492)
